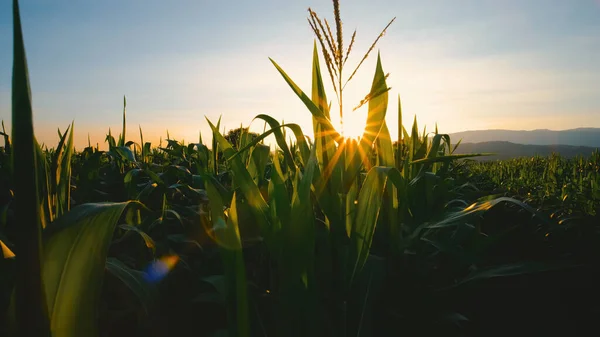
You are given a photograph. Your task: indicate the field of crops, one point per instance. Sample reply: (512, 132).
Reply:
(318, 236)
(566, 187)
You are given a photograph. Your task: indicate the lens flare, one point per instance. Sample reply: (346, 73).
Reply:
(158, 269)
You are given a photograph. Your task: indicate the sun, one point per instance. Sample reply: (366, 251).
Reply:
(354, 125)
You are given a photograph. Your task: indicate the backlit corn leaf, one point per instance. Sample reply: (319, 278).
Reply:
(75, 250)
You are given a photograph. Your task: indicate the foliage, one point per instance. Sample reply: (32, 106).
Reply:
(567, 187)
(320, 237)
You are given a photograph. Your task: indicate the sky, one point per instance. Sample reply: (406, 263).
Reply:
(465, 65)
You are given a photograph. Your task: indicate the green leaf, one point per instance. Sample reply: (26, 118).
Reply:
(31, 310)
(124, 153)
(515, 269)
(258, 163)
(298, 258)
(75, 252)
(385, 148)
(122, 136)
(400, 141)
(300, 138)
(135, 280)
(148, 241)
(280, 138)
(219, 283)
(363, 297)
(447, 158)
(370, 200)
(456, 218)
(243, 180)
(314, 110)
(324, 143)
(44, 187)
(279, 200)
(375, 120)
(63, 188)
(227, 235)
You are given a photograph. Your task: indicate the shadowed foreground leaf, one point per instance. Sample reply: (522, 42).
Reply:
(514, 269)
(30, 308)
(135, 280)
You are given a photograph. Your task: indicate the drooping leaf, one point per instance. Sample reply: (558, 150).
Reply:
(516, 269)
(135, 280)
(280, 138)
(446, 158)
(456, 218)
(314, 110)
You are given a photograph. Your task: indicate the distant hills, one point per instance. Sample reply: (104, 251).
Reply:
(576, 137)
(507, 150)
(510, 144)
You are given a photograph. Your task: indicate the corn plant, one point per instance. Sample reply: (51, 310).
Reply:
(53, 299)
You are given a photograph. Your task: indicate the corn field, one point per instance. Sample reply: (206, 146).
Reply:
(316, 236)
(569, 187)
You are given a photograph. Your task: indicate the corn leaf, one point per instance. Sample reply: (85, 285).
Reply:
(75, 251)
(75, 245)
(63, 188)
(243, 179)
(324, 142)
(228, 236)
(451, 157)
(314, 110)
(31, 310)
(298, 252)
(456, 218)
(375, 120)
(370, 200)
(280, 138)
(135, 280)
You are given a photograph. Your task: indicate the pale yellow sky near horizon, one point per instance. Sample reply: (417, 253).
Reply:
(436, 91)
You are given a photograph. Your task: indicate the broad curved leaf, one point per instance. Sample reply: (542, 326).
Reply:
(455, 218)
(75, 250)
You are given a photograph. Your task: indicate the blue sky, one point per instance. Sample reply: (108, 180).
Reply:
(524, 64)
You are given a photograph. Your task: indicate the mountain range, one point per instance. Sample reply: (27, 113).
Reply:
(510, 143)
(576, 137)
